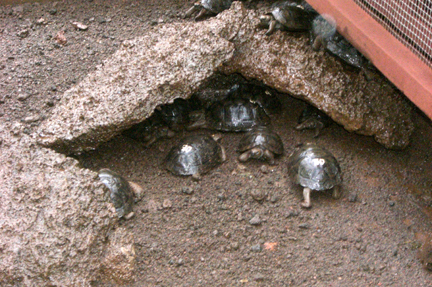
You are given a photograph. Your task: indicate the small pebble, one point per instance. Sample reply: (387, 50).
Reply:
(392, 203)
(264, 169)
(256, 220)
(23, 97)
(23, 33)
(259, 277)
(258, 194)
(53, 11)
(187, 190)
(167, 203)
(31, 119)
(303, 226)
(352, 197)
(256, 248)
(292, 213)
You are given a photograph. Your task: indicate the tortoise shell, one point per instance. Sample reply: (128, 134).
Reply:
(121, 194)
(293, 16)
(216, 6)
(236, 115)
(195, 154)
(314, 167)
(261, 137)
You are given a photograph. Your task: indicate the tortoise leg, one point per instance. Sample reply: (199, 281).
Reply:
(196, 176)
(223, 154)
(272, 27)
(245, 156)
(318, 43)
(268, 155)
(336, 192)
(201, 14)
(192, 10)
(318, 127)
(306, 196)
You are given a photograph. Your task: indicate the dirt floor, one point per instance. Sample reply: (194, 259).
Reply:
(192, 233)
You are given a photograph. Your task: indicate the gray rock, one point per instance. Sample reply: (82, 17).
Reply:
(172, 60)
(52, 212)
(256, 220)
(288, 64)
(169, 62)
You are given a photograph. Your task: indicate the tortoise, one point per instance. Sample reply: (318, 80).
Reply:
(175, 115)
(231, 115)
(195, 155)
(323, 34)
(150, 130)
(265, 97)
(205, 7)
(313, 118)
(260, 143)
(121, 192)
(314, 168)
(293, 16)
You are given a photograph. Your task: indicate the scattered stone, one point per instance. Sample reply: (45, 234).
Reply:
(264, 169)
(60, 38)
(138, 190)
(41, 21)
(187, 190)
(259, 277)
(256, 248)
(391, 203)
(23, 96)
(292, 213)
(31, 119)
(274, 197)
(352, 197)
(167, 204)
(235, 245)
(23, 33)
(221, 196)
(79, 26)
(52, 11)
(303, 226)
(256, 220)
(258, 194)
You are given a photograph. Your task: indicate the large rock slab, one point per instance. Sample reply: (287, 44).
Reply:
(286, 62)
(172, 60)
(169, 62)
(55, 218)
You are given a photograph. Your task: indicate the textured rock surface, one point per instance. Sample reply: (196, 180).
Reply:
(174, 59)
(287, 63)
(119, 261)
(54, 216)
(167, 63)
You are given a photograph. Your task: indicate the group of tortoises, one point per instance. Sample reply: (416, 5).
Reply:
(243, 108)
(236, 110)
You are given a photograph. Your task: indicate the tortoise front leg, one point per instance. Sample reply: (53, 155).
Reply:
(245, 156)
(306, 196)
(268, 155)
(272, 27)
(192, 10)
(336, 194)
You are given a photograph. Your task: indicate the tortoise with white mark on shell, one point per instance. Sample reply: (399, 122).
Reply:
(122, 192)
(293, 16)
(260, 143)
(314, 168)
(212, 7)
(195, 155)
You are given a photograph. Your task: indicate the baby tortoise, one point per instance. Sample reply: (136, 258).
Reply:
(195, 155)
(324, 34)
(205, 7)
(150, 130)
(175, 115)
(314, 168)
(260, 143)
(293, 16)
(232, 115)
(122, 192)
(312, 118)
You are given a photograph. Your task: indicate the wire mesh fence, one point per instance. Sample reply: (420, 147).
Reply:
(410, 21)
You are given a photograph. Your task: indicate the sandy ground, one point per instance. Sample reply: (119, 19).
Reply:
(199, 233)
